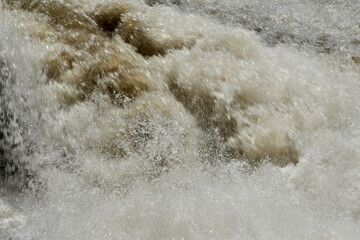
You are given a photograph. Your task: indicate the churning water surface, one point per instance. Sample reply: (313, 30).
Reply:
(179, 119)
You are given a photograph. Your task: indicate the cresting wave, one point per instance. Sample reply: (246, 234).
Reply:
(169, 120)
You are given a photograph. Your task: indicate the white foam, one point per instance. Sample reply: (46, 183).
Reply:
(216, 136)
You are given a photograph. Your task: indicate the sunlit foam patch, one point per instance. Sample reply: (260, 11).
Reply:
(154, 135)
(145, 30)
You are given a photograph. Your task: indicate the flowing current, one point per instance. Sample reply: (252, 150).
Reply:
(179, 119)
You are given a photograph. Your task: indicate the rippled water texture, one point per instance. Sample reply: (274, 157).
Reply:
(179, 119)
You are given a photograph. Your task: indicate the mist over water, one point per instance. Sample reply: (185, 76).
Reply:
(194, 119)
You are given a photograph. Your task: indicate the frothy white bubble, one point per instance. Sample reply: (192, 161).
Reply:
(156, 123)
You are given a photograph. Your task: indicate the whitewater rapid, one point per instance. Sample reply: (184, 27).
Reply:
(179, 119)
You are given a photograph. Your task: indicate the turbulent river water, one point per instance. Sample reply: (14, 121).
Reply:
(179, 119)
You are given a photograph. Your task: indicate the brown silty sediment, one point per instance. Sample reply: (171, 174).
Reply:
(106, 50)
(89, 53)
